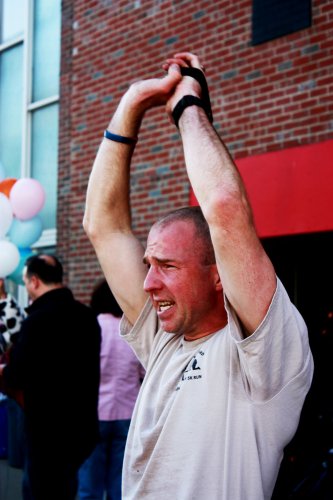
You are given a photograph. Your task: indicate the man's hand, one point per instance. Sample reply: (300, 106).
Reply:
(187, 85)
(146, 94)
(142, 96)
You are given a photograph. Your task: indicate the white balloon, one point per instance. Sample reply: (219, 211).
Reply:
(9, 258)
(6, 215)
(2, 172)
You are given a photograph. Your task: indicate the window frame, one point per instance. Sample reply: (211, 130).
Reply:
(49, 236)
(259, 18)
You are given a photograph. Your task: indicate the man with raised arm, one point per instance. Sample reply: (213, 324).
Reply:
(226, 353)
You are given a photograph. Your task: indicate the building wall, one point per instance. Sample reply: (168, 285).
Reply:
(65, 198)
(264, 98)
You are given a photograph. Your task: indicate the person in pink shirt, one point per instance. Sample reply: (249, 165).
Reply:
(121, 377)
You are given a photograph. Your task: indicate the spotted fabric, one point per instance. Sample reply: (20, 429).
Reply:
(11, 317)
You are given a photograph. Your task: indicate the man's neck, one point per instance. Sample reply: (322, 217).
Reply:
(47, 288)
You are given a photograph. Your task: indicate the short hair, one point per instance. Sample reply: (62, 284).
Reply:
(103, 301)
(47, 268)
(195, 215)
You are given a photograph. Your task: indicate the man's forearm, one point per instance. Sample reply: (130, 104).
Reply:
(213, 174)
(107, 201)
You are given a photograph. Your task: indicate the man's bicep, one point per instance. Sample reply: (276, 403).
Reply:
(120, 256)
(247, 275)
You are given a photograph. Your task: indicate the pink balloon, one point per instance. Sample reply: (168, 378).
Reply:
(27, 198)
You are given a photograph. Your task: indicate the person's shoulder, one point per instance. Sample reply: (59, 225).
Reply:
(84, 308)
(73, 302)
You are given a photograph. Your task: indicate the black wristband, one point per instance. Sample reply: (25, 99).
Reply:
(198, 75)
(119, 138)
(187, 100)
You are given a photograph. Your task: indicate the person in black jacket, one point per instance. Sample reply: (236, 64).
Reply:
(55, 364)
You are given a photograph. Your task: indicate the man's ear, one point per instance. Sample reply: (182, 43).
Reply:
(35, 281)
(218, 284)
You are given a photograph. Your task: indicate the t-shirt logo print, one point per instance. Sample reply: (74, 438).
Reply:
(193, 369)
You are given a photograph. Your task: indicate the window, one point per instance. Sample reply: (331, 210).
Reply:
(275, 18)
(30, 37)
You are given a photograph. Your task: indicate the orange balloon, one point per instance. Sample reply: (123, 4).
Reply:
(6, 186)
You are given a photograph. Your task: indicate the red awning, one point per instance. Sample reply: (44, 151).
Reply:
(291, 191)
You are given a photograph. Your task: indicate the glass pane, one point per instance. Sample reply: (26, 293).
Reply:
(46, 49)
(44, 159)
(11, 106)
(12, 19)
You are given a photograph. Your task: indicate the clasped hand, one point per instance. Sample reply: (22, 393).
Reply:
(146, 94)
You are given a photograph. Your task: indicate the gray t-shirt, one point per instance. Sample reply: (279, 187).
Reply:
(213, 415)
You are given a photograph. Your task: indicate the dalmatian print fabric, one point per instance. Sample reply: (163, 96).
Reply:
(11, 318)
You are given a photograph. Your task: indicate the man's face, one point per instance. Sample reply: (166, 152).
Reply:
(183, 290)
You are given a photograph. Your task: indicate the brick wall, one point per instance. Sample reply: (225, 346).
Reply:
(64, 174)
(268, 97)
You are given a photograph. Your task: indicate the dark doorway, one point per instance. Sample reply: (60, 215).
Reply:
(304, 265)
